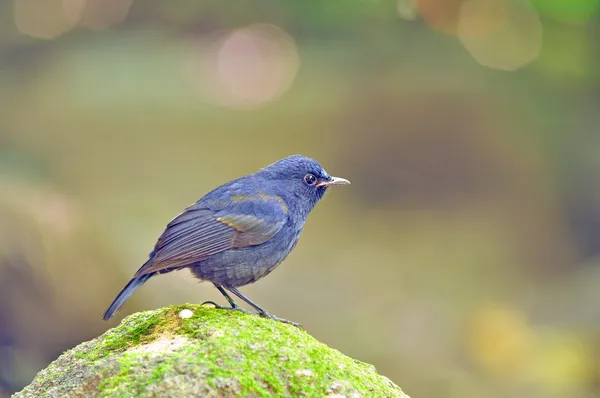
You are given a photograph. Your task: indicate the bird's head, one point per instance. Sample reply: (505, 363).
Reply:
(302, 177)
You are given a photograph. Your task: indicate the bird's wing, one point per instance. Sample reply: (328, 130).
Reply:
(210, 227)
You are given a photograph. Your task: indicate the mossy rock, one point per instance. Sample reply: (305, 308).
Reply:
(198, 351)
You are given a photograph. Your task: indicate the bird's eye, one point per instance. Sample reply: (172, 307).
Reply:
(310, 179)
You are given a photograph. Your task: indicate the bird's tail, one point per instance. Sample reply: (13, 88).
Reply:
(125, 293)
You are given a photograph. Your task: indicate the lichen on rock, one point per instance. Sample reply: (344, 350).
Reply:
(196, 351)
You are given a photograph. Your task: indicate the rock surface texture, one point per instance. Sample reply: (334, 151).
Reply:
(198, 351)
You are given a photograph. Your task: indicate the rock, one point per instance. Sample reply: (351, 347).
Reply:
(208, 352)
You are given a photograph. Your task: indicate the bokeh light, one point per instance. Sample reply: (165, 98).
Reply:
(42, 19)
(96, 14)
(245, 67)
(502, 34)
(52, 18)
(407, 9)
(562, 362)
(501, 341)
(440, 15)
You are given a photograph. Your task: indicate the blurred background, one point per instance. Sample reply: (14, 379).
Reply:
(463, 261)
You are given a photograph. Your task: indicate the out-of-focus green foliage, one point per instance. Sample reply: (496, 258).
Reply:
(571, 11)
(462, 261)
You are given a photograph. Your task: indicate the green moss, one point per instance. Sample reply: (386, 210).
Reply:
(134, 330)
(112, 383)
(214, 352)
(50, 373)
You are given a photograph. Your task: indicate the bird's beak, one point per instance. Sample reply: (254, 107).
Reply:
(334, 181)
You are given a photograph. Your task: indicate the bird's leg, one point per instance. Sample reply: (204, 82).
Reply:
(224, 293)
(233, 304)
(260, 310)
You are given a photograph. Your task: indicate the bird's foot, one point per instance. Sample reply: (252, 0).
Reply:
(265, 314)
(214, 305)
(273, 317)
(235, 307)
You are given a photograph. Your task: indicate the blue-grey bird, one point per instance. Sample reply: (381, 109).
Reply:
(240, 231)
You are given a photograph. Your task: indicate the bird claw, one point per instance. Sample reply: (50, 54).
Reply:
(220, 307)
(243, 311)
(273, 317)
(262, 314)
(233, 308)
(213, 304)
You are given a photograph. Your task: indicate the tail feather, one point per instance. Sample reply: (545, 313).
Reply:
(125, 293)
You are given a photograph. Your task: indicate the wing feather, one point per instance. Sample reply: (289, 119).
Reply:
(200, 232)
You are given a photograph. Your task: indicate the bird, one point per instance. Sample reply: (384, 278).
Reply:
(239, 232)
